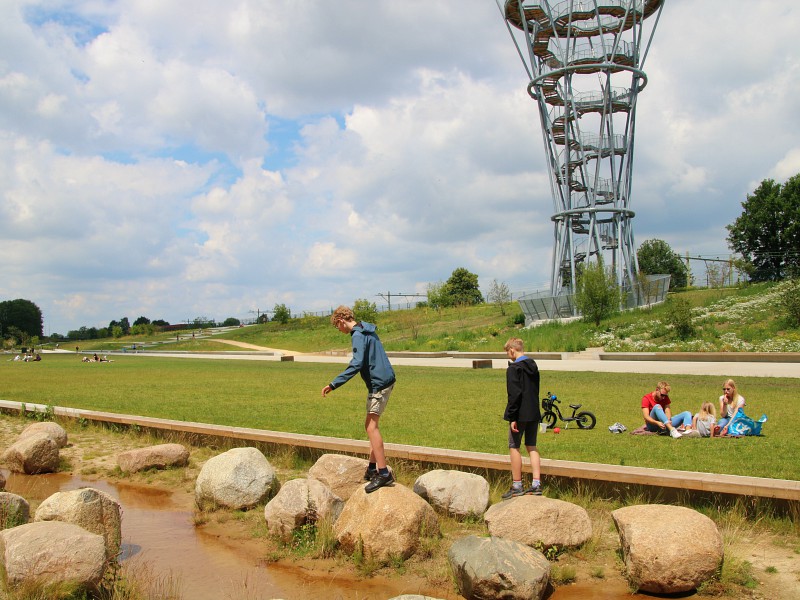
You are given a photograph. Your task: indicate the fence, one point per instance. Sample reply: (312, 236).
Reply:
(543, 306)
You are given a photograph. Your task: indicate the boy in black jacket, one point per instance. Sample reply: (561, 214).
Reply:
(522, 412)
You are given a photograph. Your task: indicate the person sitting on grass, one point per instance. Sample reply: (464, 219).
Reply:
(705, 420)
(658, 415)
(729, 404)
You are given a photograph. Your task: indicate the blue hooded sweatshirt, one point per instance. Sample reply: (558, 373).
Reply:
(369, 359)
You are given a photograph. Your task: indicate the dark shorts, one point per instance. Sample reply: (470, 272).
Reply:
(527, 429)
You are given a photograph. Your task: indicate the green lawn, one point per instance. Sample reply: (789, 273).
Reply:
(439, 407)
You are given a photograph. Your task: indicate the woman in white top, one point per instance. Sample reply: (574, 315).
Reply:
(729, 404)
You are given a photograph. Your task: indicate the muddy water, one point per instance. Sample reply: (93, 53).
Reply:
(159, 539)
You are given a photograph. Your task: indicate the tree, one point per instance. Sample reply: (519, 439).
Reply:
(142, 321)
(262, 318)
(655, 257)
(499, 294)
(281, 314)
(437, 297)
(462, 288)
(767, 233)
(231, 322)
(597, 296)
(364, 310)
(22, 314)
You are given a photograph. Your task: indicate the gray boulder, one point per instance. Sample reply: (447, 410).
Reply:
(52, 553)
(389, 522)
(50, 429)
(34, 454)
(494, 568)
(158, 457)
(14, 510)
(300, 501)
(668, 549)
(89, 508)
(239, 478)
(342, 474)
(455, 492)
(539, 522)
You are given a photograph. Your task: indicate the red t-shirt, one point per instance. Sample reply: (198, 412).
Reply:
(648, 401)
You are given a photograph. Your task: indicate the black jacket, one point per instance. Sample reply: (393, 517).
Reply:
(522, 385)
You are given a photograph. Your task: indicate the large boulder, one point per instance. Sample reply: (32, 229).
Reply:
(32, 455)
(300, 501)
(668, 549)
(89, 508)
(489, 568)
(52, 553)
(153, 457)
(455, 492)
(390, 522)
(239, 478)
(50, 429)
(14, 510)
(342, 474)
(539, 522)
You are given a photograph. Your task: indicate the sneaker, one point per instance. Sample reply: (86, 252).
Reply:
(378, 481)
(675, 433)
(534, 490)
(513, 492)
(369, 474)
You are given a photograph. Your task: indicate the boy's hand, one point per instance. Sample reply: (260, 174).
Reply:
(514, 427)
(326, 390)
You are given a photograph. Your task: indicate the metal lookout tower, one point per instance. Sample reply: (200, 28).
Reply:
(584, 60)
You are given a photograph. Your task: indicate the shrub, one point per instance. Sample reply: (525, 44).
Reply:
(789, 302)
(679, 315)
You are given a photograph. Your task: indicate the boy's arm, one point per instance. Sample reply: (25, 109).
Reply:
(514, 391)
(356, 362)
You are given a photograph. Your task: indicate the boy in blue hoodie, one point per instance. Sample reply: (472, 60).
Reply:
(370, 360)
(523, 414)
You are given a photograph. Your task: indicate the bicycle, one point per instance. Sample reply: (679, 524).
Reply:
(552, 413)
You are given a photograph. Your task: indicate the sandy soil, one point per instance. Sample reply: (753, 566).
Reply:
(92, 451)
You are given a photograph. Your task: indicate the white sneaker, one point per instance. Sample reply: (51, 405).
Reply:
(675, 433)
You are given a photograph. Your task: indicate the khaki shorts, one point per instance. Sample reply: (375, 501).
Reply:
(376, 402)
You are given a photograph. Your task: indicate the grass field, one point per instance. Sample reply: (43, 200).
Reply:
(444, 408)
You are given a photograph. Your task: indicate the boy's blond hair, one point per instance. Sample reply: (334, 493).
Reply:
(343, 313)
(515, 343)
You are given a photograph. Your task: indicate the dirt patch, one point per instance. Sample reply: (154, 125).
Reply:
(91, 454)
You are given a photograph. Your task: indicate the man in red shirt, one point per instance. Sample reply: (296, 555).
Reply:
(658, 415)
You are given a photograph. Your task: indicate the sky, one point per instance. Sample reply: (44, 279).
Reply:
(213, 159)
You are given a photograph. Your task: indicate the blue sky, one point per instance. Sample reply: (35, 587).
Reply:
(180, 162)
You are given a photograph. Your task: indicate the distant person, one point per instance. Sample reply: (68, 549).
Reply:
(96, 358)
(37, 357)
(523, 414)
(729, 404)
(705, 421)
(369, 360)
(658, 414)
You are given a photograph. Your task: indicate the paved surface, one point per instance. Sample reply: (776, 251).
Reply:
(583, 362)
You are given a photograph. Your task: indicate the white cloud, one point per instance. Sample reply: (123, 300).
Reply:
(176, 162)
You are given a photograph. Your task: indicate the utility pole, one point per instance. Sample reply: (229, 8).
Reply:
(258, 313)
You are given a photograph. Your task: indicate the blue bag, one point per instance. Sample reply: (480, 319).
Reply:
(741, 424)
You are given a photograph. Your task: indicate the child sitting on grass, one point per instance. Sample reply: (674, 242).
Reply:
(704, 421)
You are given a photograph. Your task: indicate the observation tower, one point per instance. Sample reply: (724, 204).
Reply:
(584, 60)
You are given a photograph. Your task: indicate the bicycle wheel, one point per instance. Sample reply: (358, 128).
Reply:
(585, 420)
(549, 418)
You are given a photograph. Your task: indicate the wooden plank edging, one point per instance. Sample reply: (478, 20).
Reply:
(783, 489)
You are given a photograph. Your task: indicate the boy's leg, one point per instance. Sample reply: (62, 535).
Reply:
(376, 453)
(516, 464)
(514, 441)
(536, 462)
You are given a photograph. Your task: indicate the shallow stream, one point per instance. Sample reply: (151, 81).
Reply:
(159, 539)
